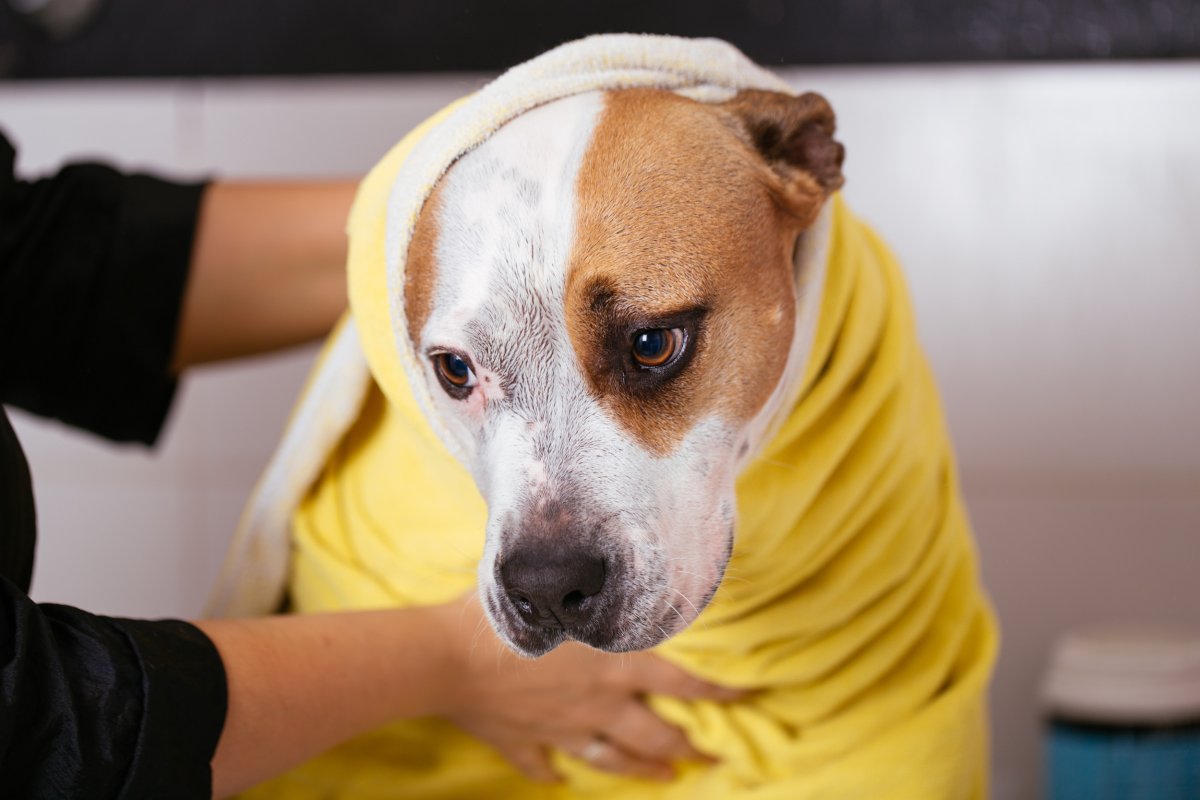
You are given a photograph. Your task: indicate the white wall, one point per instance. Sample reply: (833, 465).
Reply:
(1049, 217)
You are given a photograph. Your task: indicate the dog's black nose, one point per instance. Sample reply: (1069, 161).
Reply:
(553, 586)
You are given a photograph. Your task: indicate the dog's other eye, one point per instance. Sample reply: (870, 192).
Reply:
(454, 370)
(655, 347)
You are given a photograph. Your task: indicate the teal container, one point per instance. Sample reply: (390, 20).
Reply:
(1094, 762)
(1124, 715)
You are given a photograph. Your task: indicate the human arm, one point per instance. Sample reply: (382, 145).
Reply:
(92, 266)
(267, 269)
(299, 685)
(355, 671)
(93, 270)
(111, 284)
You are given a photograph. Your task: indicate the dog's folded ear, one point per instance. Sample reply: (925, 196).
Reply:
(794, 135)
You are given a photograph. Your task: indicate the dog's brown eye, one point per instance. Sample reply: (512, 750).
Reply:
(655, 347)
(454, 370)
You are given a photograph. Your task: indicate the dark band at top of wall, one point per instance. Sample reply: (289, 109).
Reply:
(185, 38)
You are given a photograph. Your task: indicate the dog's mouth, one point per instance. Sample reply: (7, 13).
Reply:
(612, 632)
(535, 636)
(536, 604)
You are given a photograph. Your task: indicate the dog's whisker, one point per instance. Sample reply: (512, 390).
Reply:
(729, 575)
(685, 599)
(678, 613)
(481, 626)
(775, 463)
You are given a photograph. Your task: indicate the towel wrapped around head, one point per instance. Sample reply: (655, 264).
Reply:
(852, 604)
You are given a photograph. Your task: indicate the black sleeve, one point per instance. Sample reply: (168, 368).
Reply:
(93, 266)
(92, 271)
(102, 707)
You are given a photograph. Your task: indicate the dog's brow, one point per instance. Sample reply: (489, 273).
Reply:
(602, 296)
(622, 314)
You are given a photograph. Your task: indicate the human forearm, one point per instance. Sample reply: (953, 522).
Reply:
(299, 685)
(268, 268)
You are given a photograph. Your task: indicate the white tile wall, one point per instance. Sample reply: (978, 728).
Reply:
(1048, 219)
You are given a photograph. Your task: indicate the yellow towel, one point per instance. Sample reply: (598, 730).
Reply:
(852, 599)
(851, 602)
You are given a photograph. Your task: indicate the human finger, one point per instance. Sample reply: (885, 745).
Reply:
(532, 761)
(650, 673)
(642, 733)
(607, 756)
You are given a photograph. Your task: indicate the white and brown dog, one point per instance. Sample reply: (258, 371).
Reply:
(638, 316)
(605, 295)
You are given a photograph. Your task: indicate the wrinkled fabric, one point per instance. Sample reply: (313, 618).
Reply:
(93, 265)
(95, 706)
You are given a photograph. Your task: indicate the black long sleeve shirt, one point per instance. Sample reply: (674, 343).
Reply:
(93, 265)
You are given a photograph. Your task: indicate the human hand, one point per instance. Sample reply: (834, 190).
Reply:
(575, 699)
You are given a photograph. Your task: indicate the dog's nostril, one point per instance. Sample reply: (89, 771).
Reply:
(574, 601)
(522, 603)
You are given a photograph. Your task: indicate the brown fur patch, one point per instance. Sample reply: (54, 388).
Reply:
(420, 269)
(680, 214)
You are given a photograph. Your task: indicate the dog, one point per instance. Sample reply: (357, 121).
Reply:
(621, 334)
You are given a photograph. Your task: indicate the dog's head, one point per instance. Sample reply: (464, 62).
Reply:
(603, 299)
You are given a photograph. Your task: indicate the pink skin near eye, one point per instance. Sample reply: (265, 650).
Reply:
(487, 390)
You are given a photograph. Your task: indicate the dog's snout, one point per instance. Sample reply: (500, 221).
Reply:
(553, 586)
